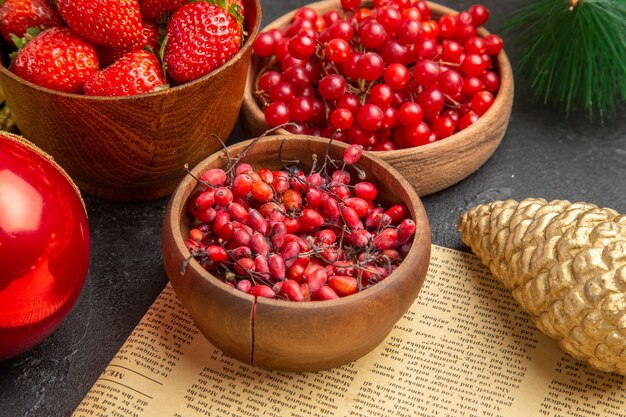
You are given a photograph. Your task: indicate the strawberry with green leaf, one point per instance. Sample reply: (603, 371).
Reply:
(199, 38)
(18, 15)
(137, 72)
(57, 59)
(235, 7)
(113, 23)
(239, 6)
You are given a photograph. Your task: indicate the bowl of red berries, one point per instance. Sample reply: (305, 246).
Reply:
(295, 254)
(425, 87)
(123, 93)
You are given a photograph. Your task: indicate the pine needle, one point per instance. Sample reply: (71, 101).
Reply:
(574, 53)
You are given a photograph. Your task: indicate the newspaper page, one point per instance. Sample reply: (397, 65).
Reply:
(464, 349)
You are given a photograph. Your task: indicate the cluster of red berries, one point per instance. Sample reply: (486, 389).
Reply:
(296, 236)
(386, 77)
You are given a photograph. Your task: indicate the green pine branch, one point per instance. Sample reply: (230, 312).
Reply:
(574, 53)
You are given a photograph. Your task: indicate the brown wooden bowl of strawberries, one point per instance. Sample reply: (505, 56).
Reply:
(423, 86)
(295, 254)
(119, 107)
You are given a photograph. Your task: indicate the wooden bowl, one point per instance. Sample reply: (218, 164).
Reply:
(429, 168)
(286, 335)
(134, 148)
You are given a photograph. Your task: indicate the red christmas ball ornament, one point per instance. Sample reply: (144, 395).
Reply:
(44, 245)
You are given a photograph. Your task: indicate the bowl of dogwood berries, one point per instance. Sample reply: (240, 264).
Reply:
(123, 92)
(296, 253)
(425, 87)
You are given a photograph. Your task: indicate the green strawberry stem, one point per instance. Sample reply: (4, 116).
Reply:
(235, 11)
(161, 55)
(20, 43)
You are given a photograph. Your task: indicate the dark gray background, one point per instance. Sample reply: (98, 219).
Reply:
(542, 155)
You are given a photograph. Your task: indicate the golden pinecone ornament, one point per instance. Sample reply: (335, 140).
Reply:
(566, 266)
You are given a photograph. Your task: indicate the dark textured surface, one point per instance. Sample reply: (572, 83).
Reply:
(542, 155)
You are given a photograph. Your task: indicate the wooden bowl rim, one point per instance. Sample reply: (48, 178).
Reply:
(422, 235)
(469, 134)
(170, 90)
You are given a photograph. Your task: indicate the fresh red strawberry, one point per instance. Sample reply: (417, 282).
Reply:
(18, 15)
(157, 9)
(58, 59)
(137, 72)
(199, 38)
(149, 37)
(114, 23)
